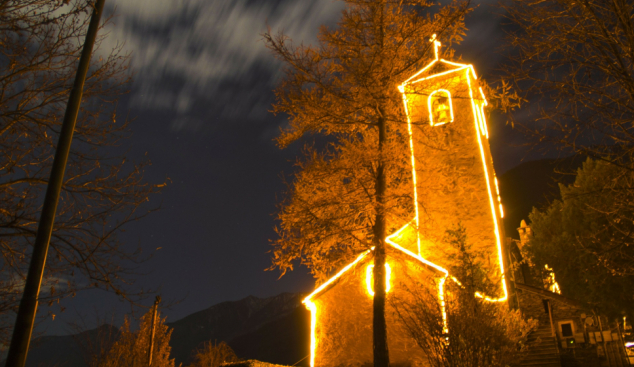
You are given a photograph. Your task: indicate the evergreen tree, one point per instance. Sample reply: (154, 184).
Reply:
(353, 188)
(131, 348)
(586, 238)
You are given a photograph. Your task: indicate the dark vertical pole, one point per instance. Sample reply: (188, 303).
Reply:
(622, 342)
(605, 345)
(23, 328)
(157, 300)
(379, 326)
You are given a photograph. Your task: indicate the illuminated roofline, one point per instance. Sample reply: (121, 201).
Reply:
(388, 239)
(365, 253)
(491, 202)
(336, 276)
(437, 45)
(460, 67)
(435, 75)
(312, 307)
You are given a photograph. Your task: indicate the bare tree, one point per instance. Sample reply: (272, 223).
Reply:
(572, 64)
(39, 47)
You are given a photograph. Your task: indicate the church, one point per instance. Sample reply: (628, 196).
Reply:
(448, 137)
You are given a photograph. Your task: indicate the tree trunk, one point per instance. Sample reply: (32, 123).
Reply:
(381, 354)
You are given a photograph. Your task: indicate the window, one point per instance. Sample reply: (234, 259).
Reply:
(566, 330)
(440, 109)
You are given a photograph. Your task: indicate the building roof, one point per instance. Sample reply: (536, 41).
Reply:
(334, 279)
(448, 66)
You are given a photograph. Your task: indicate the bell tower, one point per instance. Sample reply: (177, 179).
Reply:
(452, 170)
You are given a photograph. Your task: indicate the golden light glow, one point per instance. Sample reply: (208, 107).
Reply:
(553, 286)
(369, 278)
(336, 276)
(493, 211)
(482, 114)
(439, 74)
(414, 179)
(310, 305)
(497, 189)
(388, 240)
(436, 44)
(440, 109)
(443, 308)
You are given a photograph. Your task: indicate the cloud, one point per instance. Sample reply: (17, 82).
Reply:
(200, 44)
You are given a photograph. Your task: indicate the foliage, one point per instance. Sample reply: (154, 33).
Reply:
(573, 61)
(345, 88)
(131, 348)
(466, 262)
(586, 238)
(39, 49)
(213, 355)
(478, 333)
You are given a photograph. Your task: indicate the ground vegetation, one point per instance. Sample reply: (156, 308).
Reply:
(213, 355)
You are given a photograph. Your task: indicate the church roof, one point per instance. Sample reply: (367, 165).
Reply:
(334, 279)
(439, 67)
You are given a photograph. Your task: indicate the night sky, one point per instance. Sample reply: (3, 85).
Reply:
(202, 87)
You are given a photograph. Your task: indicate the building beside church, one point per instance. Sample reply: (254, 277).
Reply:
(569, 333)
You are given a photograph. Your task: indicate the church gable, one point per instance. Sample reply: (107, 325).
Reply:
(341, 312)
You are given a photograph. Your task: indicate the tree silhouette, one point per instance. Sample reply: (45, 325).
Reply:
(131, 347)
(102, 191)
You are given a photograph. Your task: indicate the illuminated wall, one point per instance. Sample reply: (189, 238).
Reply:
(343, 317)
